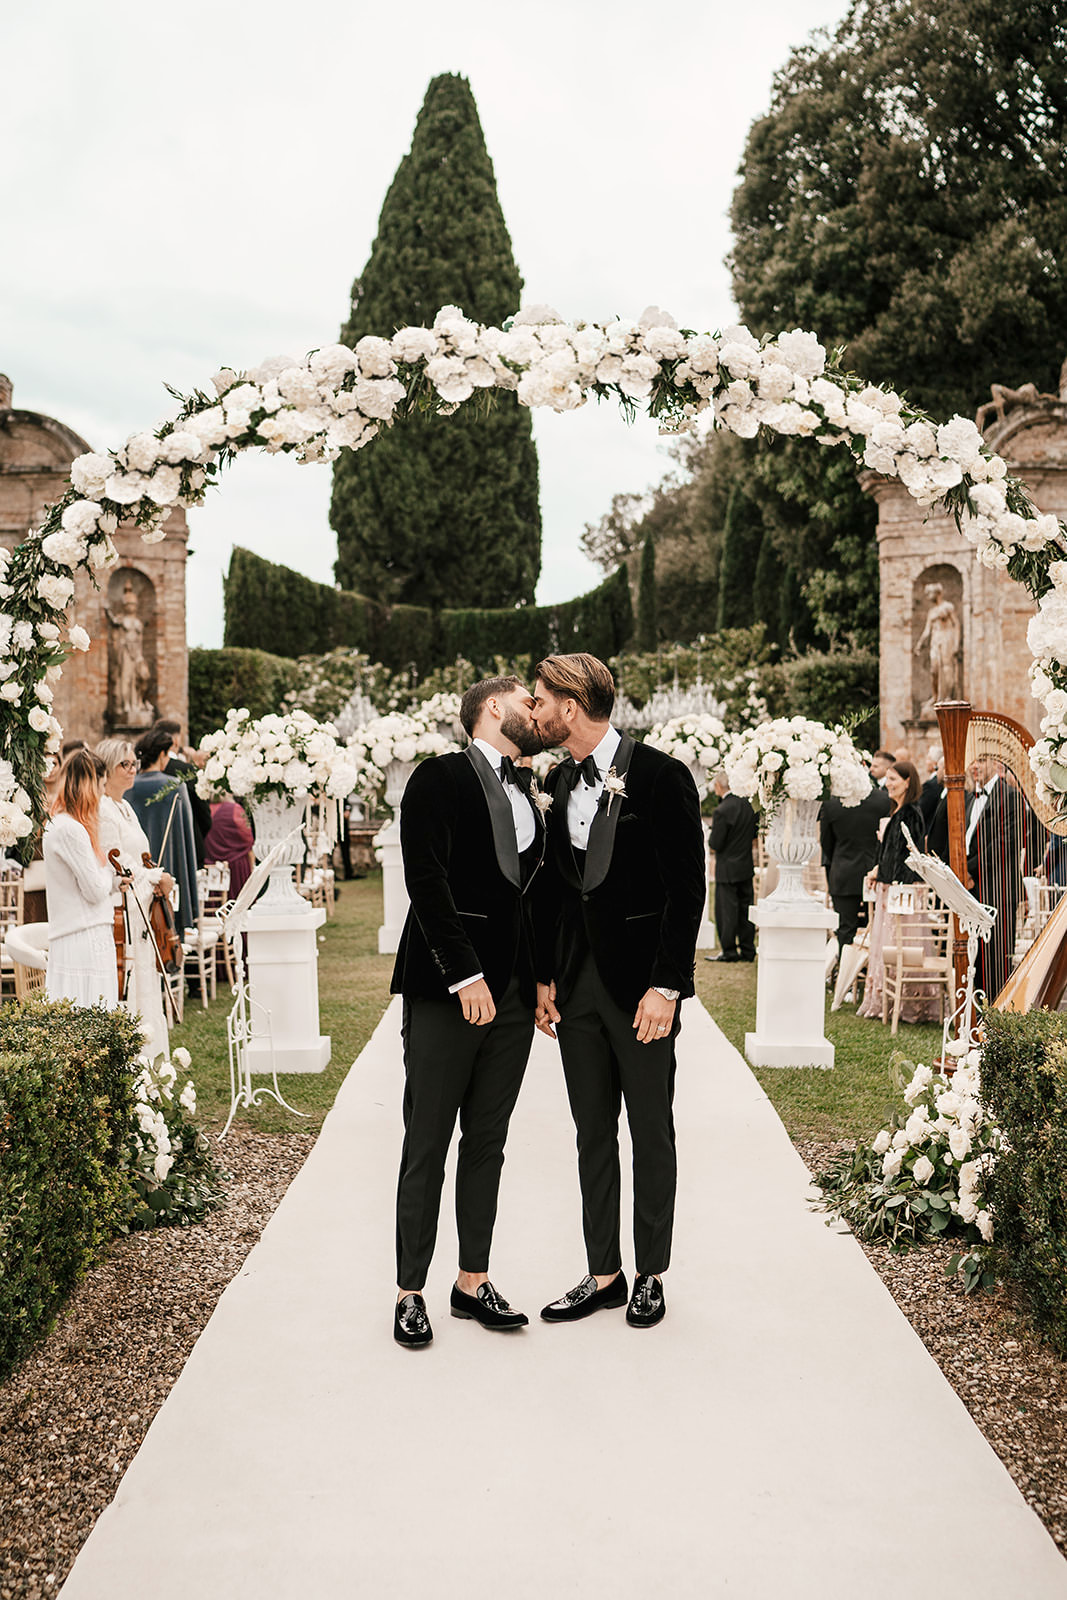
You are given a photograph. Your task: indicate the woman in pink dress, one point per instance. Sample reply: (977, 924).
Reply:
(230, 839)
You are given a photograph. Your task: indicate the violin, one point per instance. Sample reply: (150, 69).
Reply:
(119, 926)
(164, 928)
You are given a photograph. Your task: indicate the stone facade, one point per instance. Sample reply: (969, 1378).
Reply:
(918, 547)
(35, 456)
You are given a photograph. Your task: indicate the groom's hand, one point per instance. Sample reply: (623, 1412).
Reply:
(654, 1017)
(477, 1002)
(546, 1013)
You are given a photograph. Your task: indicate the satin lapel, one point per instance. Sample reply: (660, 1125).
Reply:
(560, 835)
(500, 815)
(602, 831)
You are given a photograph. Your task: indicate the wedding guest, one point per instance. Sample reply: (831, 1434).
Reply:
(994, 846)
(1055, 862)
(733, 830)
(849, 851)
(168, 822)
(902, 753)
(79, 884)
(121, 831)
(230, 839)
(931, 790)
(937, 832)
(903, 787)
(180, 766)
(881, 762)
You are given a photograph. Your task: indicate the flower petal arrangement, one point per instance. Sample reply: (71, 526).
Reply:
(292, 756)
(699, 742)
(396, 737)
(339, 398)
(795, 758)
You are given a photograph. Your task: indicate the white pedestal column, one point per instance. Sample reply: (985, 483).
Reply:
(394, 892)
(791, 986)
(706, 937)
(283, 971)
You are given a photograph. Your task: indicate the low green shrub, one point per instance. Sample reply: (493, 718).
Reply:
(831, 686)
(1024, 1082)
(219, 679)
(66, 1098)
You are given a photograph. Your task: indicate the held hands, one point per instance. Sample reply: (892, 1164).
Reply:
(164, 886)
(477, 1003)
(546, 1013)
(654, 1018)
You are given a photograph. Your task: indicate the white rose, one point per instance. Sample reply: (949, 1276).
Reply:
(78, 638)
(55, 591)
(187, 1098)
(959, 1142)
(39, 720)
(64, 547)
(89, 474)
(414, 344)
(923, 1170)
(881, 1142)
(182, 1057)
(891, 1163)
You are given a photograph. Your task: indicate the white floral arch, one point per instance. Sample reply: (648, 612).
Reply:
(338, 398)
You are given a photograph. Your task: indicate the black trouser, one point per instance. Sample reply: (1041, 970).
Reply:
(851, 916)
(732, 902)
(604, 1063)
(454, 1068)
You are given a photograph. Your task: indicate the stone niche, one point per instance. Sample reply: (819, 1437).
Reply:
(35, 456)
(918, 547)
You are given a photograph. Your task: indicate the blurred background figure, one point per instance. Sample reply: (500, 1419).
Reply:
(733, 830)
(168, 823)
(849, 851)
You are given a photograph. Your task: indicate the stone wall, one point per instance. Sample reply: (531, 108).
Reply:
(35, 456)
(917, 546)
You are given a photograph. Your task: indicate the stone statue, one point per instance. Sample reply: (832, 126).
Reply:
(130, 672)
(1006, 399)
(942, 636)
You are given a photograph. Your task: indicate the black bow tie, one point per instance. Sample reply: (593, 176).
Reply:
(587, 769)
(510, 773)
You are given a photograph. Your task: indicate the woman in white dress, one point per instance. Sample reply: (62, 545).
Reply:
(121, 831)
(79, 884)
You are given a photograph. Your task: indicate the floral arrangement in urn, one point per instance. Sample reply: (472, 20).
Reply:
(291, 757)
(925, 1175)
(440, 711)
(700, 742)
(396, 737)
(792, 758)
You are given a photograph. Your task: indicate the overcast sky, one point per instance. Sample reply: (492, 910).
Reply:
(190, 186)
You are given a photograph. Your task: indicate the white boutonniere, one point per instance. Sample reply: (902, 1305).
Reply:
(614, 787)
(540, 797)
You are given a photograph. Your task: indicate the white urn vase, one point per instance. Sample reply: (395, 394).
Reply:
(397, 774)
(274, 819)
(387, 850)
(792, 840)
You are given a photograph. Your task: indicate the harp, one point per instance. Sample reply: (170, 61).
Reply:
(1015, 850)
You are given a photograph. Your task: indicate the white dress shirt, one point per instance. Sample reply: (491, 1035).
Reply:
(585, 797)
(978, 805)
(523, 814)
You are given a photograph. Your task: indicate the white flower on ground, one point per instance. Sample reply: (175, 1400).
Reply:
(187, 1098)
(923, 1170)
(891, 1163)
(881, 1142)
(182, 1057)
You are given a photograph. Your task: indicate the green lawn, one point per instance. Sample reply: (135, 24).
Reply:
(353, 993)
(851, 1101)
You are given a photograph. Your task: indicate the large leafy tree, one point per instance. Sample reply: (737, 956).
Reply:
(441, 511)
(905, 196)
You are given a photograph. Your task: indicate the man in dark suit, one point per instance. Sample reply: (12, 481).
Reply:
(994, 845)
(733, 828)
(618, 910)
(930, 798)
(472, 842)
(849, 850)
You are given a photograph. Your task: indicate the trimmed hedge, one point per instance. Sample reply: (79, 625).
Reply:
(270, 607)
(66, 1099)
(1024, 1084)
(830, 686)
(219, 679)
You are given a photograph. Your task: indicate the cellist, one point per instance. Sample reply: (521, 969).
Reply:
(121, 831)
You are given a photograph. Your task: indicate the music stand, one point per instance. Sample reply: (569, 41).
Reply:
(975, 919)
(233, 917)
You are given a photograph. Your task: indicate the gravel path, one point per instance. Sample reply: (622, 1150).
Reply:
(1013, 1386)
(73, 1415)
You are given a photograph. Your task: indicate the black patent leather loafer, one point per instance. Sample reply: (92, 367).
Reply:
(411, 1325)
(586, 1298)
(647, 1305)
(487, 1306)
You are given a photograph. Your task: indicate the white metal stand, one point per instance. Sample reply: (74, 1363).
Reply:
(976, 921)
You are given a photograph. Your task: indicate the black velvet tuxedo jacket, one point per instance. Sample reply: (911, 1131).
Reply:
(733, 828)
(637, 899)
(468, 888)
(850, 840)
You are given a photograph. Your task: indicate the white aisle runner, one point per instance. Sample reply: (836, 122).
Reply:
(782, 1434)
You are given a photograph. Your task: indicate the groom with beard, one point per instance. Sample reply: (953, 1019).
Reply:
(619, 908)
(472, 843)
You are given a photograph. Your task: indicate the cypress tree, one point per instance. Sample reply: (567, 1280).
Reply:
(767, 589)
(742, 535)
(647, 602)
(440, 511)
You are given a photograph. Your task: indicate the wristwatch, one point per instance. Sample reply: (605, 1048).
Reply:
(668, 994)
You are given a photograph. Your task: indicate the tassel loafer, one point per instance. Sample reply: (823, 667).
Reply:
(586, 1298)
(411, 1325)
(647, 1305)
(487, 1306)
